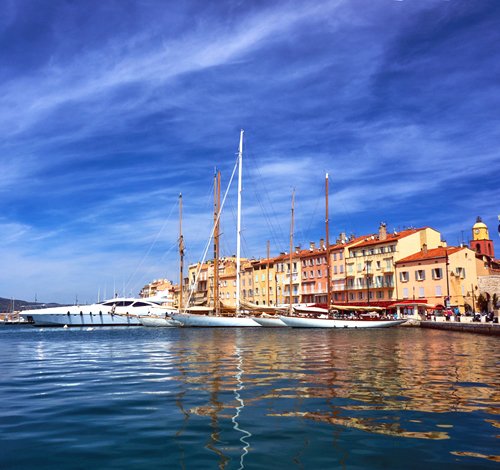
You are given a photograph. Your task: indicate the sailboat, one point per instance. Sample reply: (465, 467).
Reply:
(214, 317)
(350, 316)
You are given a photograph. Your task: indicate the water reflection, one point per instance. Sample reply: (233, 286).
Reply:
(393, 383)
(262, 398)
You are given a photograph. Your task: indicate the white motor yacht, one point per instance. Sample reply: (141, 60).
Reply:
(114, 312)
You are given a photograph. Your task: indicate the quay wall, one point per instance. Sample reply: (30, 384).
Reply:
(481, 328)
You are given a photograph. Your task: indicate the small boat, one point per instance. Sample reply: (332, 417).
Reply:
(114, 312)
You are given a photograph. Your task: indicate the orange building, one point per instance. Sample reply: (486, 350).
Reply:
(443, 276)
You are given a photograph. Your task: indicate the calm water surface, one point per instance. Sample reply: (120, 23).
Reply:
(141, 398)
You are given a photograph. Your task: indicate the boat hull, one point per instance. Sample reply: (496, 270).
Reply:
(154, 321)
(85, 319)
(269, 322)
(192, 320)
(301, 322)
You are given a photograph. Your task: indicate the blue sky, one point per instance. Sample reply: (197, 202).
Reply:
(110, 109)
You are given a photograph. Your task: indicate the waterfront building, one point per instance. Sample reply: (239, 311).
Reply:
(337, 270)
(443, 276)
(283, 272)
(156, 286)
(264, 275)
(246, 277)
(199, 275)
(314, 272)
(370, 261)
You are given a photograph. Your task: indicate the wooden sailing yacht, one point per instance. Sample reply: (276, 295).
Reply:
(314, 317)
(215, 317)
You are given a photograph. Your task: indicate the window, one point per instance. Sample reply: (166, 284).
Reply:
(405, 292)
(304, 274)
(341, 269)
(351, 296)
(388, 263)
(263, 277)
(380, 294)
(335, 269)
(437, 273)
(350, 268)
(403, 276)
(340, 256)
(370, 295)
(438, 291)
(335, 257)
(360, 295)
(319, 272)
(419, 275)
(460, 272)
(378, 264)
(421, 294)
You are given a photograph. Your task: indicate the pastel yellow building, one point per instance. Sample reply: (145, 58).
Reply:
(264, 282)
(283, 272)
(370, 263)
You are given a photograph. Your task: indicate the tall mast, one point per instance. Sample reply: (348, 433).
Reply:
(327, 236)
(267, 274)
(238, 229)
(181, 254)
(216, 241)
(291, 251)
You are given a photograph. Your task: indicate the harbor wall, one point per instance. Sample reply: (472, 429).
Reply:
(481, 328)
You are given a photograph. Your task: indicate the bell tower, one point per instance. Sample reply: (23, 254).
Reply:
(481, 242)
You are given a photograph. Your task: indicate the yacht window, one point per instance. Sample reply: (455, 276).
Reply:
(140, 304)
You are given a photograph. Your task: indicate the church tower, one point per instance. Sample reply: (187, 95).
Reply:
(481, 242)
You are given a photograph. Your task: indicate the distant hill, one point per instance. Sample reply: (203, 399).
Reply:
(6, 305)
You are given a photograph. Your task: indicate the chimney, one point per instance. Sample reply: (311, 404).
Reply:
(297, 249)
(342, 237)
(322, 243)
(424, 248)
(382, 231)
(312, 246)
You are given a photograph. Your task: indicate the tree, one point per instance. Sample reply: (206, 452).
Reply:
(482, 303)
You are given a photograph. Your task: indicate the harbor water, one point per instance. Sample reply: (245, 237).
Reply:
(254, 398)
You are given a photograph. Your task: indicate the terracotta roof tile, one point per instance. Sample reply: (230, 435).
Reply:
(431, 254)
